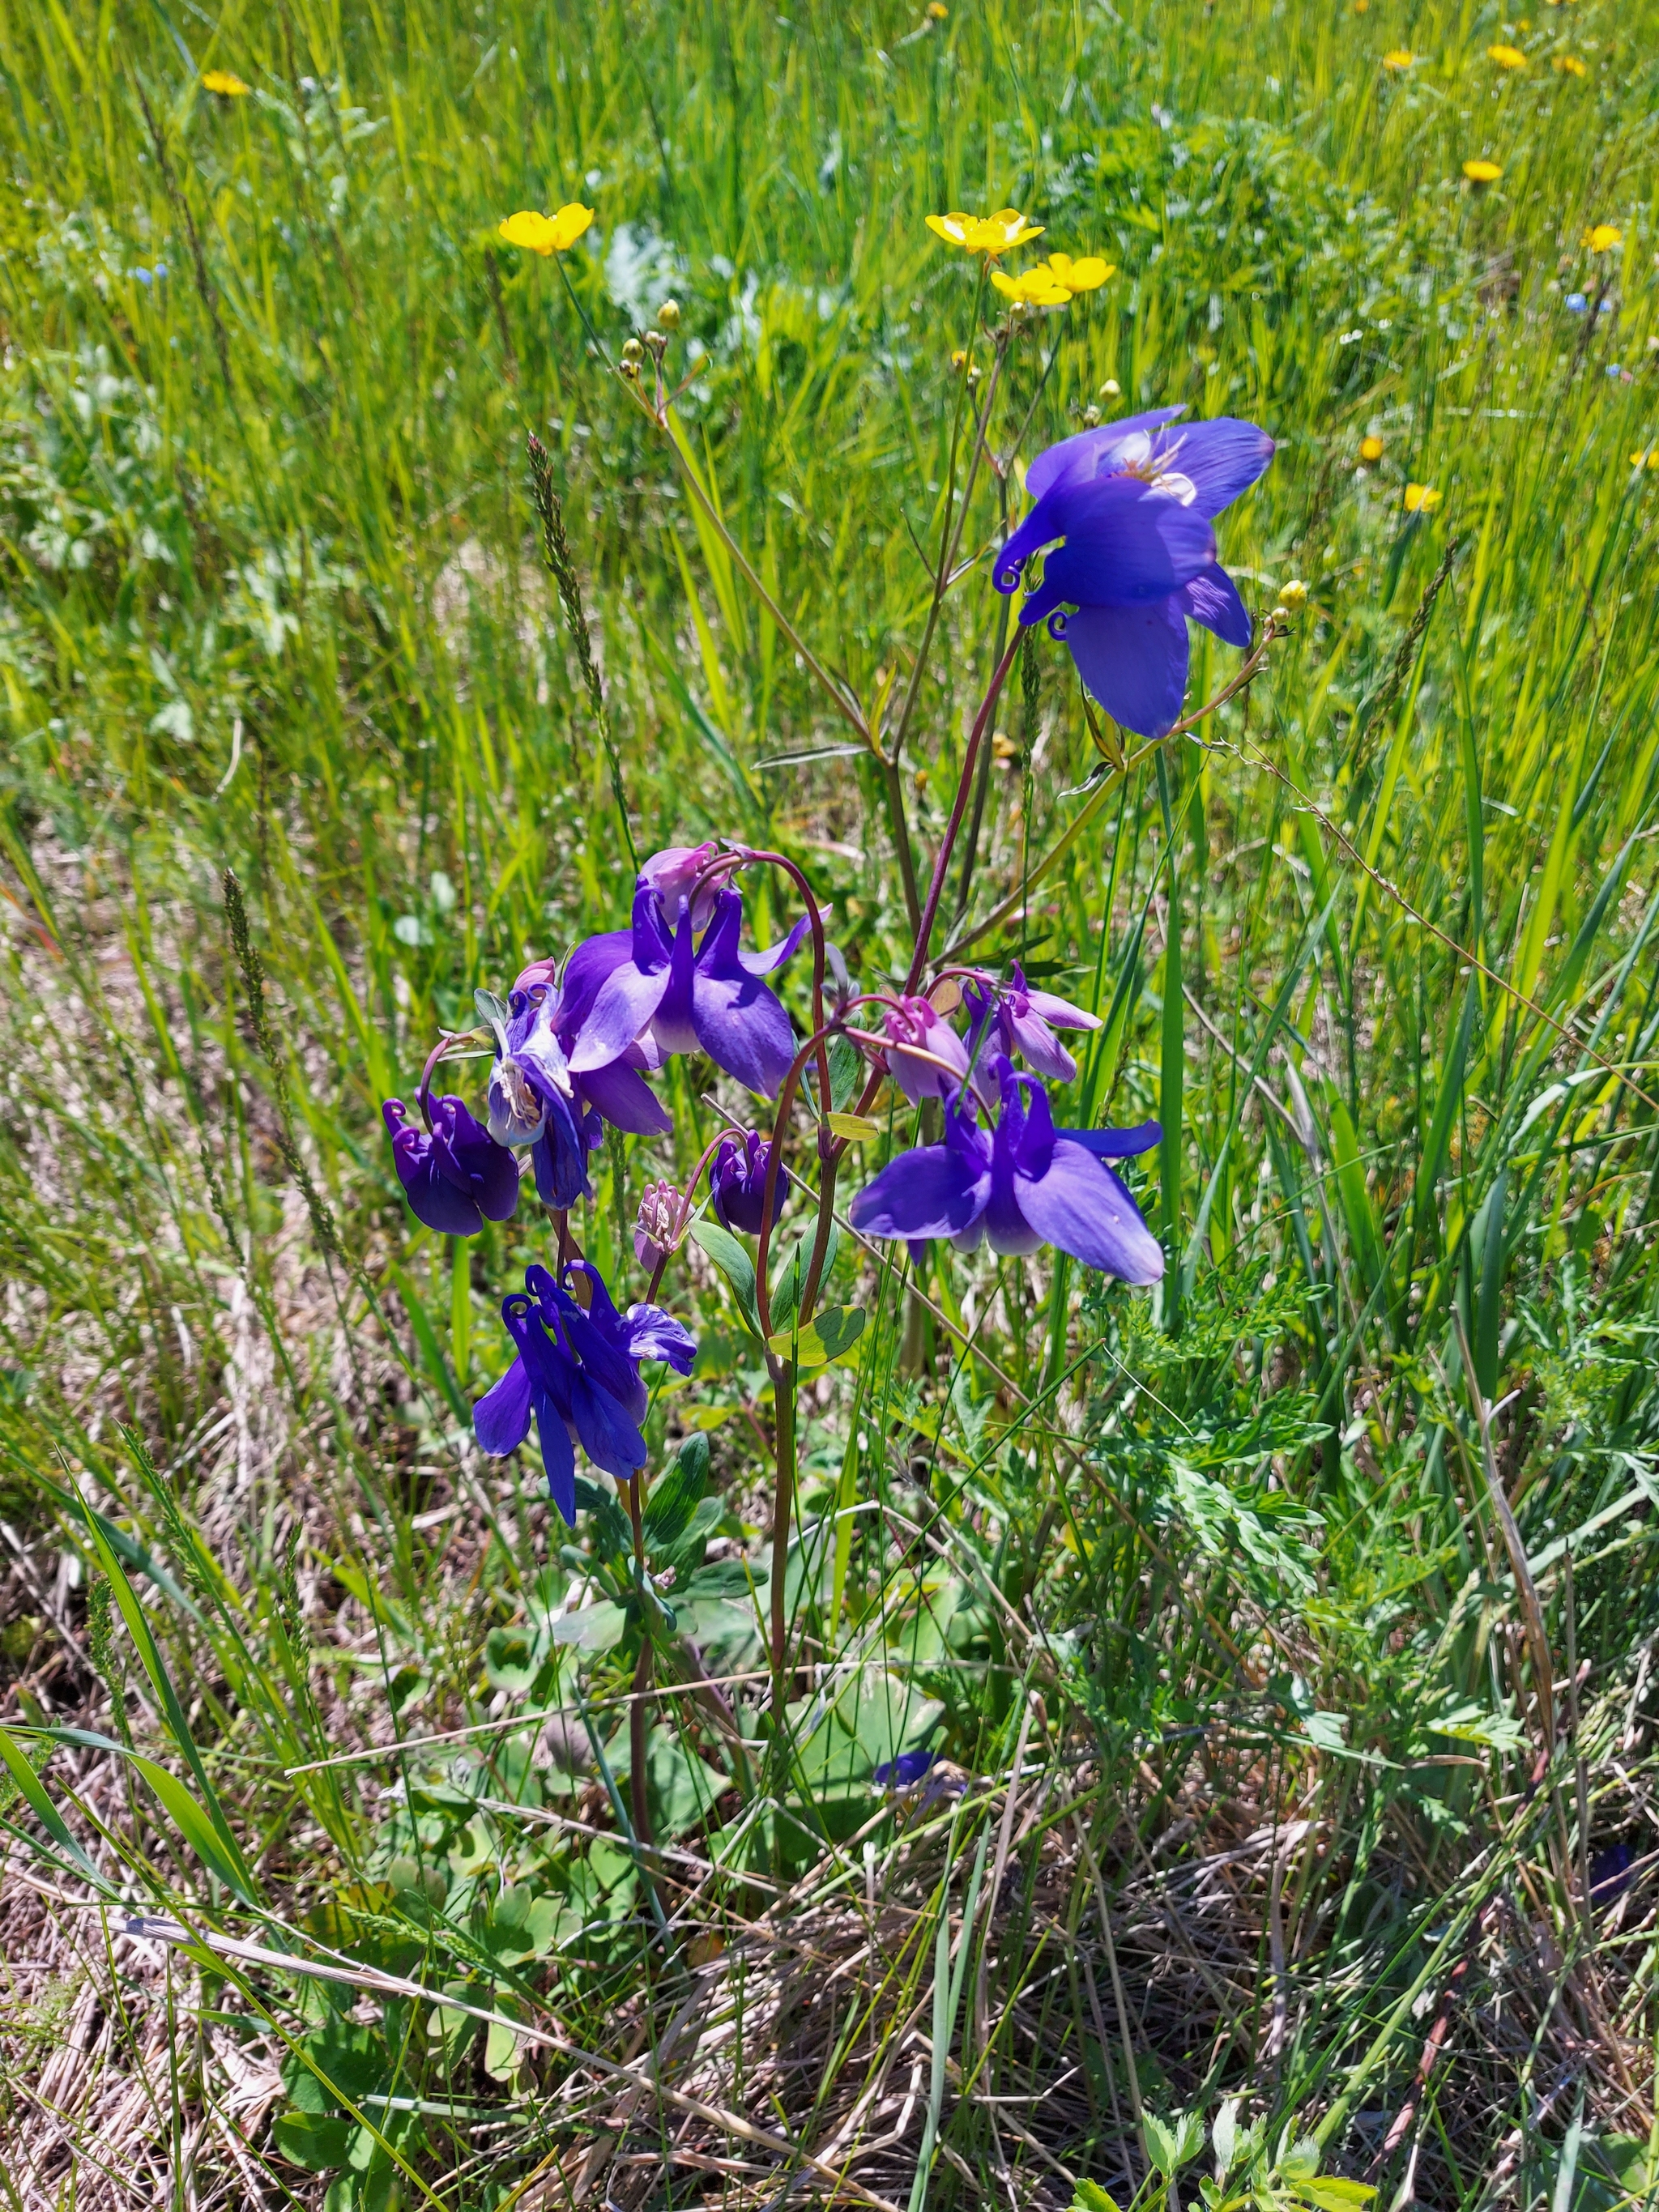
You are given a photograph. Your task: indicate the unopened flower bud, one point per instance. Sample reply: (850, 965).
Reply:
(668, 315)
(633, 351)
(1294, 595)
(655, 344)
(1091, 417)
(1111, 389)
(630, 369)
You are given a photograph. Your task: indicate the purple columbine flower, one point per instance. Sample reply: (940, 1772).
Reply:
(904, 1772)
(1133, 501)
(1026, 1185)
(917, 1024)
(578, 1376)
(536, 1100)
(652, 979)
(736, 1182)
(454, 1175)
(1026, 1022)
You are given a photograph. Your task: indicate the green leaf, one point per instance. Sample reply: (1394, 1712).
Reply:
(1300, 2163)
(1333, 2192)
(430, 1346)
(859, 1129)
(307, 2139)
(1090, 2196)
(28, 1781)
(615, 1538)
(722, 1579)
(512, 1657)
(847, 1072)
(669, 1509)
(595, 1628)
(791, 1278)
(822, 1341)
(733, 1262)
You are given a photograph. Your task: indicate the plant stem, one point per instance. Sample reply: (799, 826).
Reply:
(981, 722)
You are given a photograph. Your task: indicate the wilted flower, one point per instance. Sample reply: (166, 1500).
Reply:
(657, 1225)
(547, 233)
(1421, 499)
(709, 997)
(1133, 501)
(1482, 172)
(578, 1374)
(985, 234)
(1603, 237)
(916, 1023)
(454, 1175)
(1508, 57)
(1370, 449)
(227, 86)
(1026, 1185)
(1026, 1021)
(736, 1182)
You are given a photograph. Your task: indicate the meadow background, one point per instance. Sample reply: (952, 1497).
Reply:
(1288, 1638)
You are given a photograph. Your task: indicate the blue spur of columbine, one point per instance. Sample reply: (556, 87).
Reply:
(1024, 1185)
(454, 1175)
(1133, 502)
(577, 1375)
(656, 982)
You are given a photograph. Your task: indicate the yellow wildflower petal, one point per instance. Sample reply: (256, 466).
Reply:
(1086, 275)
(937, 10)
(1400, 57)
(221, 81)
(1005, 284)
(528, 229)
(568, 224)
(1645, 457)
(952, 228)
(1482, 173)
(1421, 499)
(1370, 449)
(1603, 238)
(1508, 57)
(1568, 65)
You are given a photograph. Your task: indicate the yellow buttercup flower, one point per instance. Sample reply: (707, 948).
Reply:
(547, 233)
(228, 86)
(1032, 288)
(1482, 173)
(1646, 458)
(1604, 237)
(1506, 56)
(984, 234)
(1087, 274)
(937, 10)
(1421, 499)
(1370, 449)
(1568, 65)
(1400, 57)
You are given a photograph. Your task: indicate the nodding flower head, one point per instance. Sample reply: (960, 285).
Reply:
(914, 1028)
(657, 1226)
(577, 1376)
(686, 874)
(737, 1180)
(454, 1175)
(1026, 1021)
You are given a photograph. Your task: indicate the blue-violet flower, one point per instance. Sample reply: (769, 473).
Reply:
(454, 1175)
(737, 1180)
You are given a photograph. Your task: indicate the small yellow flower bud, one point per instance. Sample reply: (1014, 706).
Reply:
(1111, 389)
(633, 351)
(668, 315)
(1091, 417)
(959, 359)
(655, 344)
(1294, 595)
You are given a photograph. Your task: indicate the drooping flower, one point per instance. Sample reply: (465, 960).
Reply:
(706, 996)
(1421, 499)
(1133, 501)
(985, 234)
(1603, 237)
(916, 1026)
(536, 1100)
(577, 1375)
(1025, 1185)
(225, 83)
(1481, 172)
(737, 1180)
(547, 233)
(1507, 57)
(1026, 1021)
(454, 1175)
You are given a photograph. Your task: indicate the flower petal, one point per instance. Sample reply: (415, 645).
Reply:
(773, 956)
(739, 1022)
(1212, 598)
(1045, 1053)
(1079, 1207)
(648, 1332)
(594, 960)
(558, 1457)
(931, 1191)
(1079, 456)
(626, 1100)
(1116, 1144)
(1134, 660)
(605, 1429)
(1220, 459)
(500, 1420)
(1125, 544)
